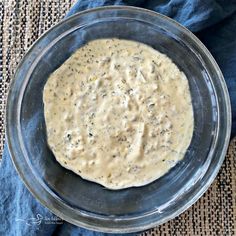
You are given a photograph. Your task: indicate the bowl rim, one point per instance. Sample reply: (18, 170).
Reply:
(197, 195)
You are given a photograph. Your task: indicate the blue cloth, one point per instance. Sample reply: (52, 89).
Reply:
(214, 22)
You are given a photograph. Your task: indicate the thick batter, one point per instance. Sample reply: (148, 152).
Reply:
(118, 113)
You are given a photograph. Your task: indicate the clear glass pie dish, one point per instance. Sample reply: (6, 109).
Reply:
(88, 204)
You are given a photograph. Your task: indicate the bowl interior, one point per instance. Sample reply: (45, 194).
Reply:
(79, 193)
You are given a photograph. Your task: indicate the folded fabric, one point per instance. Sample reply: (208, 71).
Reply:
(213, 21)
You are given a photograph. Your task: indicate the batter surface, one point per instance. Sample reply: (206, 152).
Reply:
(118, 113)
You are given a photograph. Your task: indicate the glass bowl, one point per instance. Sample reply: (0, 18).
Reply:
(88, 204)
